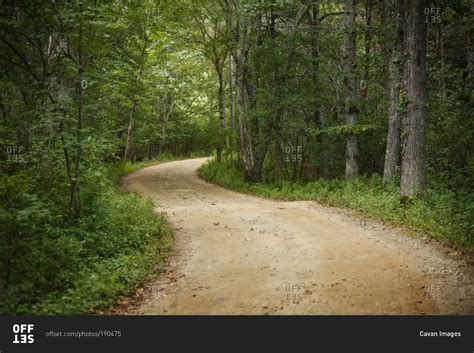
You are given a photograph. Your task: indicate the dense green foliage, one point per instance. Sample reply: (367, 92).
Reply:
(443, 214)
(86, 87)
(89, 88)
(53, 267)
(290, 99)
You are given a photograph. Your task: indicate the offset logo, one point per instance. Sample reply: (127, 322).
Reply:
(23, 333)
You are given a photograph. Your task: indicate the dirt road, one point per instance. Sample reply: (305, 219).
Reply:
(239, 254)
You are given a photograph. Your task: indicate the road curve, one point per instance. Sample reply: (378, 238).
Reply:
(239, 254)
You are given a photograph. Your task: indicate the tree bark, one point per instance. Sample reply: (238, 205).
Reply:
(240, 58)
(315, 27)
(223, 137)
(367, 46)
(232, 104)
(129, 130)
(245, 92)
(351, 109)
(75, 196)
(413, 176)
(134, 97)
(392, 152)
(169, 101)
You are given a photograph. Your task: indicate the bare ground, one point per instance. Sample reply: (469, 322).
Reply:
(239, 254)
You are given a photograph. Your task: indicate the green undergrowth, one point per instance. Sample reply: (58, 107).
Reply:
(443, 214)
(53, 267)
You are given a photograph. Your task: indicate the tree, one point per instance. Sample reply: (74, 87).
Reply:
(239, 26)
(351, 108)
(413, 174)
(392, 152)
(212, 39)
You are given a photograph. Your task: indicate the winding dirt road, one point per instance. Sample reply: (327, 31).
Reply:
(240, 254)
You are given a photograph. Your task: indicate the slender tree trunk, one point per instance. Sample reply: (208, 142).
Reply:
(245, 144)
(232, 108)
(278, 150)
(351, 109)
(367, 45)
(384, 47)
(233, 31)
(231, 96)
(75, 198)
(413, 177)
(57, 99)
(223, 137)
(75, 186)
(392, 153)
(170, 101)
(130, 128)
(315, 26)
(135, 99)
(278, 160)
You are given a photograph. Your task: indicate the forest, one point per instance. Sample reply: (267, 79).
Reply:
(366, 105)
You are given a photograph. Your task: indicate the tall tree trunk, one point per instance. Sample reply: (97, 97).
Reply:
(351, 108)
(169, 101)
(75, 198)
(223, 137)
(315, 27)
(367, 46)
(242, 103)
(245, 143)
(392, 152)
(131, 120)
(232, 103)
(278, 160)
(231, 96)
(245, 94)
(413, 177)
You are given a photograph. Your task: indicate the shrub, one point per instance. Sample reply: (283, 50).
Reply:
(54, 267)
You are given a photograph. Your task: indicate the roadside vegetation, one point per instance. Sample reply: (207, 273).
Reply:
(55, 267)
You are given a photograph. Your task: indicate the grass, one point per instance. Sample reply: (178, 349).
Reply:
(442, 214)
